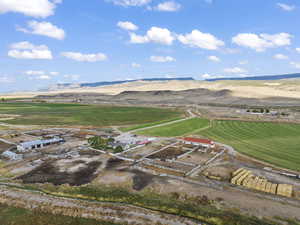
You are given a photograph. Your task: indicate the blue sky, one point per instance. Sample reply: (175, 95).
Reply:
(44, 42)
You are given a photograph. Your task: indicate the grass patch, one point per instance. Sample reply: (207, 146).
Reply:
(135, 127)
(76, 114)
(275, 143)
(15, 216)
(177, 129)
(199, 208)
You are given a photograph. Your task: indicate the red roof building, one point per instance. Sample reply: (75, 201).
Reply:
(199, 141)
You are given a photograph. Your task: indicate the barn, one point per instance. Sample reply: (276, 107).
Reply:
(199, 142)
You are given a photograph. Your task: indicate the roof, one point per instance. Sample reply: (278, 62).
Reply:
(37, 142)
(199, 140)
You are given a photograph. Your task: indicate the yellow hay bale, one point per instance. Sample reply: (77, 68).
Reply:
(243, 177)
(237, 172)
(274, 188)
(234, 179)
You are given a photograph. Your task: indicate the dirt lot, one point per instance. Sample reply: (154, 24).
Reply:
(168, 153)
(73, 172)
(196, 158)
(4, 146)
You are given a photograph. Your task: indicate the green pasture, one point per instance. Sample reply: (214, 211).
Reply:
(76, 114)
(178, 128)
(276, 143)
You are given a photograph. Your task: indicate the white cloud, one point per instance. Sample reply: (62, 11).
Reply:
(135, 65)
(162, 59)
(213, 58)
(127, 3)
(280, 56)
(286, 7)
(34, 8)
(77, 56)
(54, 73)
(169, 6)
(26, 50)
(155, 34)
(201, 40)
(298, 50)
(295, 64)
(126, 25)
(235, 70)
(45, 29)
(209, 1)
(262, 41)
(44, 77)
(34, 72)
(40, 74)
(243, 62)
(73, 77)
(6, 79)
(207, 76)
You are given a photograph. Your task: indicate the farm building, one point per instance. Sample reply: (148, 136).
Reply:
(26, 146)
(11, 155)
(199, 142)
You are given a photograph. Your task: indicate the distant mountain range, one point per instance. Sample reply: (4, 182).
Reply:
(107, 83)
(269, 77)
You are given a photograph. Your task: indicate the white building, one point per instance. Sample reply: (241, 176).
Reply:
(11, 155)
(26, 146)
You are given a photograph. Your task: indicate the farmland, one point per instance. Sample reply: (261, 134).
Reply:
(76, 114)
(135, 127)
(276, 143)
(12, 215)
(177, 129)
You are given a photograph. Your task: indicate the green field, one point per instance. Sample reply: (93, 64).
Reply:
(276, 143)
(135, 127)
(17, 216)
(177, 129)
(76, 114)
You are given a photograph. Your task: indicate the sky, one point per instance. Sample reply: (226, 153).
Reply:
(45, 42)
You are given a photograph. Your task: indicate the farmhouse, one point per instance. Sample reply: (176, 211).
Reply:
(199, 142)
(26, 146)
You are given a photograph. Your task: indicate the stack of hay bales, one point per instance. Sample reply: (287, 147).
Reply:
(243, 177)
(285, 190)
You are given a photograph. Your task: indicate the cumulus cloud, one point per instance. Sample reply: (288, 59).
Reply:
(262, 41)
(243, 62)
(155, 34)
(26, 50)
(43, 28)
(236, 70)
(4, 79)
(295, 64)
(169, 6)
(73, 77)
(34, 8)
(77, 56)
(280, 56)
(128, 3)
(286, 7)
(34, 72)
(298, 50)
(135, 65)
(213, 58)
(207, 76)
(40, 74)
(162, 59)
(126, 25)
(201, 40)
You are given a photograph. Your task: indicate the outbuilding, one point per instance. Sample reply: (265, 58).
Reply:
(199, 142)
(26, 146)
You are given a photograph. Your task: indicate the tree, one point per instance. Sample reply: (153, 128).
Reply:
(118, 149)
